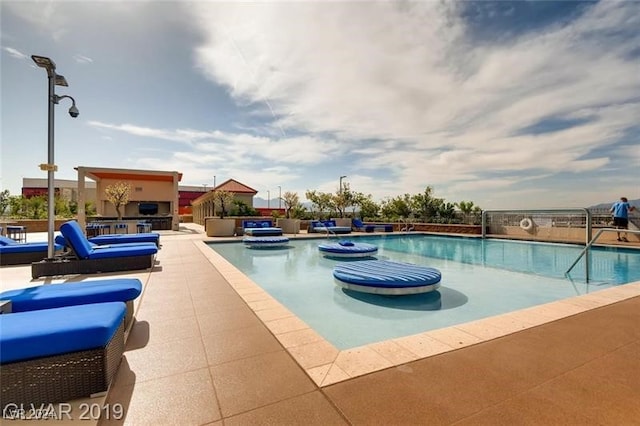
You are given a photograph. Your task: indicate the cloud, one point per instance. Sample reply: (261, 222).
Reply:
(412, 75)
(15, 53)
(81, 59)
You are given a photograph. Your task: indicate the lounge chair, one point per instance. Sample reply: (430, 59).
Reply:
(328, 226)
(58, 295)
(260, 228)
(358, 225)
(103, 240)
(89, 260)
(15, 253)
(60, 354)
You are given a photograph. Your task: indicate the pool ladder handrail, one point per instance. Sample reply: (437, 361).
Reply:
(588, 246)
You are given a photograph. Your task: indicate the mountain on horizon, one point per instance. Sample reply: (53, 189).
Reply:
(635, 203)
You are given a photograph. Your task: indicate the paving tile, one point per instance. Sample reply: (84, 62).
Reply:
(252, 383)
(144, 333)
(314, 354)
(527, 409)
(162, 360)
(308, 409)
(362, 360)
(216, 320)
(231, 345)
(182, 399)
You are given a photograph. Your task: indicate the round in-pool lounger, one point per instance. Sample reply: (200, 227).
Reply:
(259, 242)
(347, 248)
(386, 277)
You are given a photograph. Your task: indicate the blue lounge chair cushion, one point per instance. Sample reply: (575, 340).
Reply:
(58, 295)
(38, 334)
(110, 240)
(8, 245)
(6, 241)
(83, 249)
(149, 237)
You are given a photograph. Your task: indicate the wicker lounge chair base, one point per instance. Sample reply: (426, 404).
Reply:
(61, 378)
(48, 268)
(21, 258)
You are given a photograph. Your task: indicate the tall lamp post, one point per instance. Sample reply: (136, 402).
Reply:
(54, 80)
(268, 199)
(279, 197)
(341, 177)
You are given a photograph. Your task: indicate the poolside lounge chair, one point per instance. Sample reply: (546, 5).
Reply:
(328, 226)
(59, 354)
(89, 260)
(58, 295)
(358, 225)
(15, 253)
(103, 240)
(260, 228)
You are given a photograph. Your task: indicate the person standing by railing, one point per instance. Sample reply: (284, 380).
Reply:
(620, 212)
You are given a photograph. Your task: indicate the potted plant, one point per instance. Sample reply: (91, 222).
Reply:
(221, 226)
(289, 224)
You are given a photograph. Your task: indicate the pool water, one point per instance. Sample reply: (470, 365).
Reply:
(480, 278)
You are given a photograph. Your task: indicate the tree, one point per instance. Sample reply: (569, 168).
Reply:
(322, 201)
(118, 194)
(291, 202)
(469, 211)
(4, 201)
(222, 200)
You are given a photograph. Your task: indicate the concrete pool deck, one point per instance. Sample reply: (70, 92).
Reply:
(207, 348)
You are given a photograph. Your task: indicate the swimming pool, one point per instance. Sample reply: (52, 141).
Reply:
(480, 278)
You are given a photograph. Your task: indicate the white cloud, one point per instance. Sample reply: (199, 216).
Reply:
(412, 73)
(15, 53)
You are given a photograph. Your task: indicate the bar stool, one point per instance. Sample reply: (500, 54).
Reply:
(92, 229)
(17, 232)
(143, 227)
(121, 228)
(104, 228)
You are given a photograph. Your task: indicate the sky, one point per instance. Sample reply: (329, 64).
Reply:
(511, 105)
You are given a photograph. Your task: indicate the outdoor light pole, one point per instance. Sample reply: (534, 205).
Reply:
(279, 197)
(268, 199)
(341, 177)
(54, 80)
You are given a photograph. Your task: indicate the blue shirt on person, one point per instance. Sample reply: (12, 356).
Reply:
(621, 209)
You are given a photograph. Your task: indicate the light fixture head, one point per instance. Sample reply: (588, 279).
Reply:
(44, 62)
(61, 81)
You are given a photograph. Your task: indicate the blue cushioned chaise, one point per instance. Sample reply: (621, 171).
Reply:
(15, 253)
(358, 225)
(60, 354)
(89, 260)
(260, 228)
(80, 293)
(328, 226)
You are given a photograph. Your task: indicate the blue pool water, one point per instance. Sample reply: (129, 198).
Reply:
(480, 278)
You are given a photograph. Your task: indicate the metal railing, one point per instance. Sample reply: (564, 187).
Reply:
(588, 246)
(527, 213)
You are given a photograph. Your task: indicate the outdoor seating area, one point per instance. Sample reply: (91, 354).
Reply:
(88, 259)
(191, 304)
